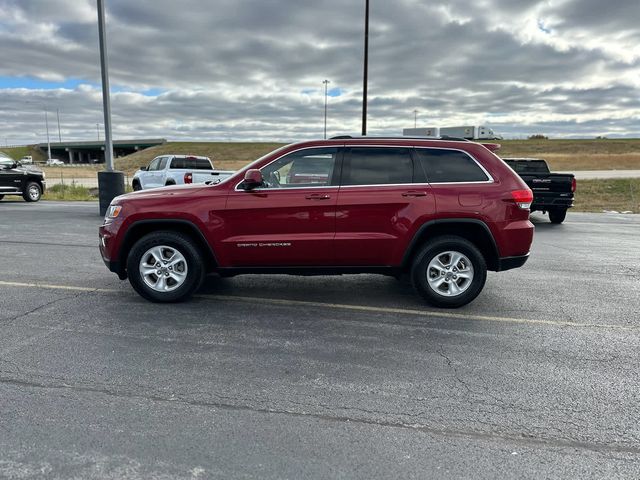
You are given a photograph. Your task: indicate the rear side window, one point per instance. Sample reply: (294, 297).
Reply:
(177, 163)
(203, 164)
(449, 166)
(377, 166)
(528, 166)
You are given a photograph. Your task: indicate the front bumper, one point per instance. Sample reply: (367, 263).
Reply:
(106, 240)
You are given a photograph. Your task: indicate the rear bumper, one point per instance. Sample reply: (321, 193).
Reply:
(508, 263)
(546, 202)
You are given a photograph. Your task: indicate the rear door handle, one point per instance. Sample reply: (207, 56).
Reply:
(318, 196)
(414, 193)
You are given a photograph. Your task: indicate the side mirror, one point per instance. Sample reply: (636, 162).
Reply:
(144, 169)
(252, 179)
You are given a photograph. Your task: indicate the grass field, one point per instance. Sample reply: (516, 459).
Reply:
(73, 193)
(225, 155)
(621, 195)
(18, 152)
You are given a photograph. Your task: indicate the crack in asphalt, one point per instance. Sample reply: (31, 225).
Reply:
(523, 439)
(44, 305)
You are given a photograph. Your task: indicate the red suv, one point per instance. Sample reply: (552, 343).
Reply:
(444, 212)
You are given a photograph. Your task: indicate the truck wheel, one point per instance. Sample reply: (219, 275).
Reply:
(165, 267)
(32, 193)
(557, 215)
(136, 186)
(449, 272)
(1, 197)
(169, 183)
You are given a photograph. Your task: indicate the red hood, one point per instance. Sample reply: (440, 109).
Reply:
(164, 192)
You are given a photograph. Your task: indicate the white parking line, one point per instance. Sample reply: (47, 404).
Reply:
(357, 308)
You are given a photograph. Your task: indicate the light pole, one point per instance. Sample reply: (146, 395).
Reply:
(59, 134)
(415, 118)
(326, 83)
(46, 123)
(365, 76)
(110, 183)
(98, 130)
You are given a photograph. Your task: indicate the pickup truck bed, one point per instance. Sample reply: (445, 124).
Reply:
(177, 170)
(552, 192)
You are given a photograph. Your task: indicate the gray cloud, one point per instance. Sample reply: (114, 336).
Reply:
(252, 69)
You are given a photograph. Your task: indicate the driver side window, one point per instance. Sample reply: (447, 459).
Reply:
(154, 164)
(306, 168)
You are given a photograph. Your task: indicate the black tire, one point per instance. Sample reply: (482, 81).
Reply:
(136, 186)
(32, 192)
(437, 247)
(558, 215)
(174, 240)
(1, 197)
(169, 183)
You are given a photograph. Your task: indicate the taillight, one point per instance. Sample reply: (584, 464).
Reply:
(188, 178)
(573, 184)
(523, 198)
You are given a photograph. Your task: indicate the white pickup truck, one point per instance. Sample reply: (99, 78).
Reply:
(177, 170)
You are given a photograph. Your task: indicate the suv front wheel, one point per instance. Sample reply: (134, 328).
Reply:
(165, 267)
(449, 272)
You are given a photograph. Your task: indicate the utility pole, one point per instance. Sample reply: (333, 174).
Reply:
(98, 130)
(415, 118)
(59, 134)
(365, 79)
(110, 183)
(46, 123)
(326, 83)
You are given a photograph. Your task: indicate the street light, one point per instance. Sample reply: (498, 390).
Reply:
(110, 183)
(326, 83)
(415, 118)
(366, 69)
(59, 134)
(46, 122)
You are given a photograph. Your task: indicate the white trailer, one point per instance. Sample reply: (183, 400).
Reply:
(470, 132)
(421, 132)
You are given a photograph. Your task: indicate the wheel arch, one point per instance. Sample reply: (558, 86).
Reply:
(141, 228)
(473, 230)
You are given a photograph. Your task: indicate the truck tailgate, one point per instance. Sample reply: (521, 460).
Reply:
(549, 182)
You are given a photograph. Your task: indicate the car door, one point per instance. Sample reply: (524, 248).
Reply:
(461, 185)
(153, 174)
(381, 201)
(290, 219)
(10, 178)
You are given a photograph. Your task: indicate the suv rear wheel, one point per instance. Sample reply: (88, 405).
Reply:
(165, 267)
(449, 272)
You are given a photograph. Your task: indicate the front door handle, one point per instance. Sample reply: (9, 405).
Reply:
(318, 196)
(414, 193)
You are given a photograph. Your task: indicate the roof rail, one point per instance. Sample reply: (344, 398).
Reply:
(402, 137)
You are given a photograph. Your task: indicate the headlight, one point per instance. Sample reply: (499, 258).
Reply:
(113, 211)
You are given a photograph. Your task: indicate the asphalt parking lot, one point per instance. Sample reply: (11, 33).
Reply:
(318, 377)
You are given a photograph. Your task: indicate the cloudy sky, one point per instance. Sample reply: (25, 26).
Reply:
(253, 69)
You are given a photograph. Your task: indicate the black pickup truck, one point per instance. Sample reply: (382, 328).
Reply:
(552, 192)
(17, 180)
